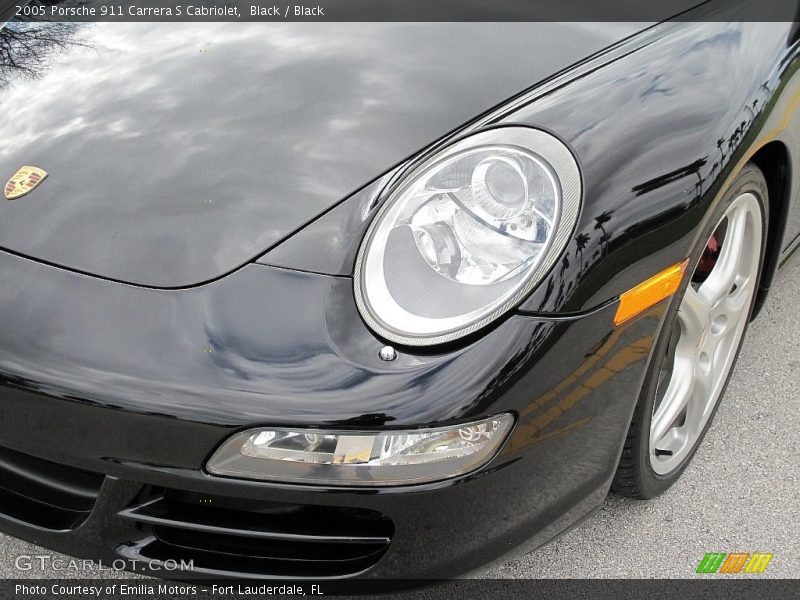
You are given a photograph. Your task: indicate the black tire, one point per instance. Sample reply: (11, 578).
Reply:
(635, 476)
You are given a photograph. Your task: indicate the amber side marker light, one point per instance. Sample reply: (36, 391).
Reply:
(649, 293)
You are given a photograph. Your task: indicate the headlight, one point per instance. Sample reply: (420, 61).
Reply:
(360, 458)
(467, 235)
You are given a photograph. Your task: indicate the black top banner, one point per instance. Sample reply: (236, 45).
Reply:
(399, 10)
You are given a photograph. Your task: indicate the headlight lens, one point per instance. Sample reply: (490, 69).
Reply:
(467, 235)
(361, 458)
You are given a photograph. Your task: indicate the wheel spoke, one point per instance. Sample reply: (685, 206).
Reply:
(693, 314)
(677, 395)
(702, 393)
(727, 268)
(730, 311)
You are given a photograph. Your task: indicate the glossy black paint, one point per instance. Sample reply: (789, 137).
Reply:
(174, 158)
(142, 384)
(675, 148)
(657, 141)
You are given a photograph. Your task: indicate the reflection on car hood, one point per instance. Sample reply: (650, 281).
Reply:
(176, 153)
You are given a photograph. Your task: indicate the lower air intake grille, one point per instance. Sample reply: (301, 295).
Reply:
(232, 537)
(45, 494)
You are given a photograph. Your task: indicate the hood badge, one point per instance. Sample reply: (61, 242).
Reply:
(23, 182)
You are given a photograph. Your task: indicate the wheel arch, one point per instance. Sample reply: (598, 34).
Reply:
(773, 160)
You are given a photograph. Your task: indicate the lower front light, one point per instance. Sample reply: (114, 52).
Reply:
(350, 458)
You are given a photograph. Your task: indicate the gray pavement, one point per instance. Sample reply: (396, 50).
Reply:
(739, 495)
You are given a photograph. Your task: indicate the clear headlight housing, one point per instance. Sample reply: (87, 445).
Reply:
(467, 235)
(361, 458)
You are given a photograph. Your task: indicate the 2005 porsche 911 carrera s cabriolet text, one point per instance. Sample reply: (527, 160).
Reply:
(384, 300)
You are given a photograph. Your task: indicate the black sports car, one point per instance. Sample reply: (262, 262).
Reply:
(381, 300)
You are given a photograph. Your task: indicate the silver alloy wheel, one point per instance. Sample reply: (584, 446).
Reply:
(712, 318)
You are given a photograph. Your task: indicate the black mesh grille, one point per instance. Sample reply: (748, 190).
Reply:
(228, 536)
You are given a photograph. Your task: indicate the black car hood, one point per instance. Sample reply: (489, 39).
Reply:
(177, 153)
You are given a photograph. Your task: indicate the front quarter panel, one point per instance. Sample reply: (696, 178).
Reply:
(659, 133)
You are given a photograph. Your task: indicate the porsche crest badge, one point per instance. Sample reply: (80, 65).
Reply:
(24, 181)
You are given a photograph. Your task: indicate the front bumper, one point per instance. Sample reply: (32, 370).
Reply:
(137, 387)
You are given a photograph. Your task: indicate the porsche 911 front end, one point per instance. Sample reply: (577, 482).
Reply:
(108, 457)
(326, 302)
